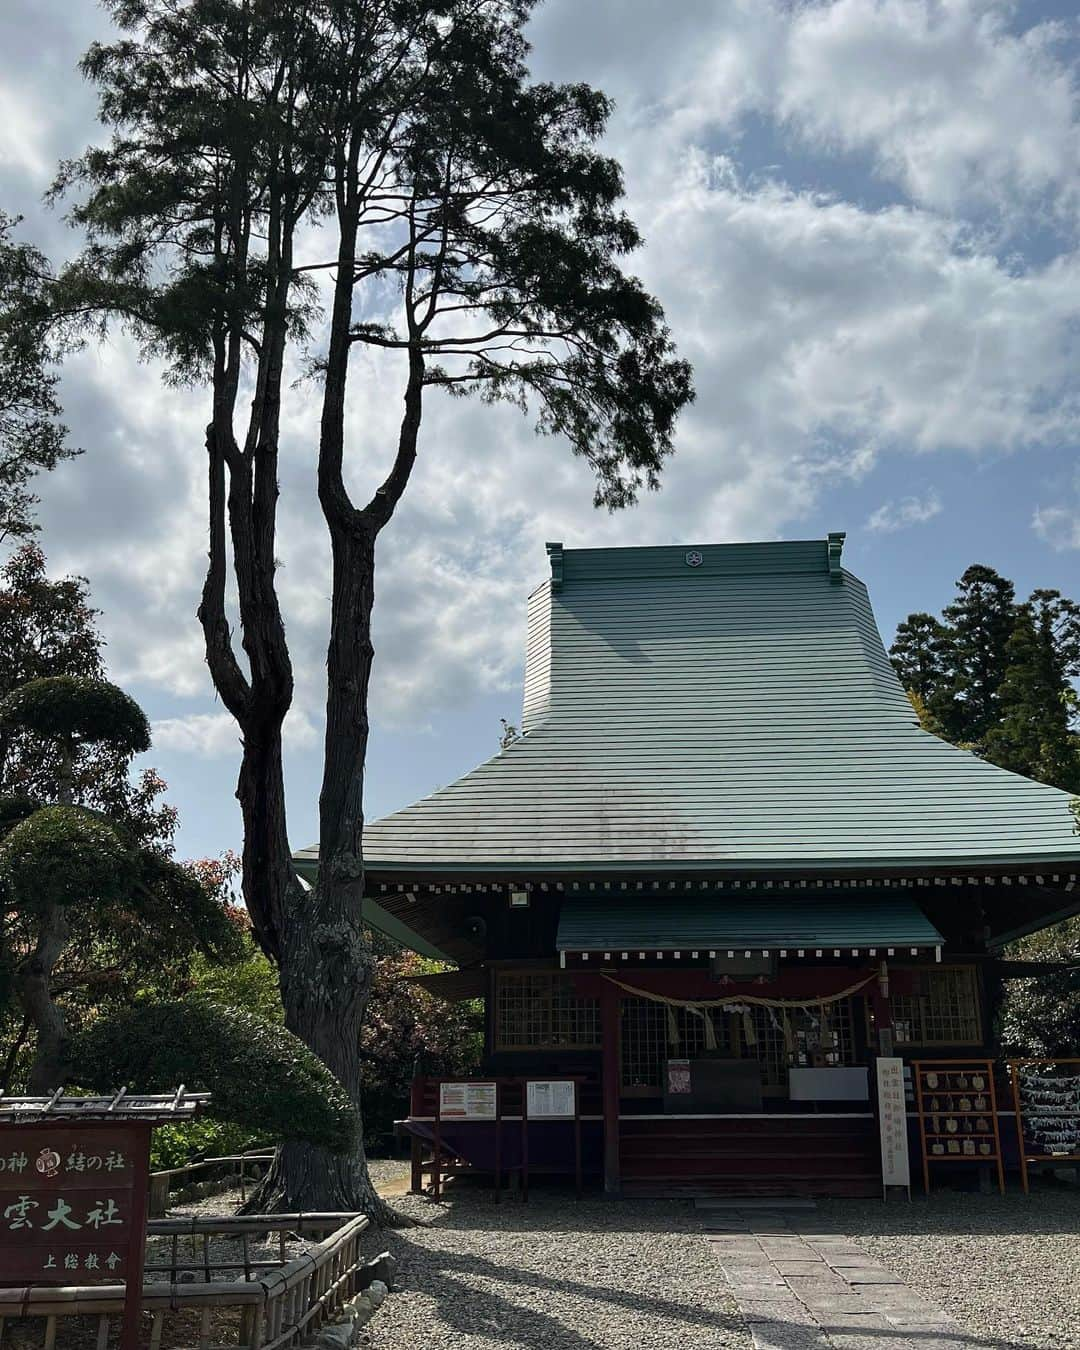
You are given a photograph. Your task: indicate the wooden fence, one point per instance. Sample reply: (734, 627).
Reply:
(275, 1304)
(233, 1169)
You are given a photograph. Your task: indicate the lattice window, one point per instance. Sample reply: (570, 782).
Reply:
(647, 1042)
(942, 1009)
(760, 1033)
(798, 1037)
(535, 1010)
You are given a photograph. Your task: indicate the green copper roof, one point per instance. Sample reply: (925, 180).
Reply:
(728, 707)
(825, 919)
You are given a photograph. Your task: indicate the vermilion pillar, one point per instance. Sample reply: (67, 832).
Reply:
(610, 1011)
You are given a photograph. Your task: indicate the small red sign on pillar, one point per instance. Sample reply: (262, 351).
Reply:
(73, 1206)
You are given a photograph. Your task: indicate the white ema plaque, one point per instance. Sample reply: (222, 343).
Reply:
(892, 1117)
(467, 1101)
(550, 1100)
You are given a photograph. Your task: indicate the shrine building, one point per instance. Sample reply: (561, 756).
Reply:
(721, 871)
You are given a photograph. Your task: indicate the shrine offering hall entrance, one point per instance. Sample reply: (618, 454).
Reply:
(694, 1084)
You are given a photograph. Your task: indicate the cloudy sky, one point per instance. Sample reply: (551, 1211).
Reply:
(863, 219)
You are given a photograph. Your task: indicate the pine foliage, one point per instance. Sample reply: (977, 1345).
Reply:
(1033, 733)
(32, 438)
(997, 677)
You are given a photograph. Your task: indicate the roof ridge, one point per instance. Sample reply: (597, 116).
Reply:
(741, 558)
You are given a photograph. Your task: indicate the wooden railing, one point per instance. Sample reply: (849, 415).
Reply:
(233, 1168)
(276, 1303)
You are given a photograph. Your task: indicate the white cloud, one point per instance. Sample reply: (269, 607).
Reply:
(826, 337)
(899, 515)
(209, 735)
(947, 101)
(1059, 525)
(816, 319)
(21, 145)
(953, 106)
(215, 735)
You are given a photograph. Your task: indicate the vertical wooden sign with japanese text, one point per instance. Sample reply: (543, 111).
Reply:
(892, 1120)
(73, 1206)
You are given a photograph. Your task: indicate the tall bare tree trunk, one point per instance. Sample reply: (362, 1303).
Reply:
(325, 975)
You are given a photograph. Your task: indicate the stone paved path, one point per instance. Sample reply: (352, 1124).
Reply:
(803, 1289)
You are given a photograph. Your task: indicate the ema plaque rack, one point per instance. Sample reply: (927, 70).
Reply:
(957, 1110)
(1046, 1095)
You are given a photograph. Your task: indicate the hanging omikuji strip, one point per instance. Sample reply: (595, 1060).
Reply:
(1046, 1094)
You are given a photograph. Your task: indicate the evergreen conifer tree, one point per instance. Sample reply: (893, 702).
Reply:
(998, 677)
(1034, 734)
(923, 657)
(32, 438)
(980, 622)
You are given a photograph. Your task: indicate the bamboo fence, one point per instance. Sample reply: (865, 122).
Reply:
(227, 1170)
(277, 1303)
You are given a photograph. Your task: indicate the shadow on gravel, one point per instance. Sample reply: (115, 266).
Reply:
(450, 1277)
(1047, 1211)
(572, 1310)
(469, 1311)
(552, 1207)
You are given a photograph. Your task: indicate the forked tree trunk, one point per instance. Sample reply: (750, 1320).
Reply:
(325, 969)
(270, 885)
(326, 962)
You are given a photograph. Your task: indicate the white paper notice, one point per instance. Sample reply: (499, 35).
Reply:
(551, 1101)
(467, 1101)
(892, 1117)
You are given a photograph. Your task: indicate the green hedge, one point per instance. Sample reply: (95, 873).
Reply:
(260, 1076)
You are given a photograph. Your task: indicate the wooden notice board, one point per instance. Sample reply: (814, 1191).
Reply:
(958, 1116)
(547, 1099)
(73, 1206)
(466, 1100)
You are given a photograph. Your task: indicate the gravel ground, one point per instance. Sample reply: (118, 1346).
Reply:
(600, 1275)
(1006, 1267)
(556, 1274)
(388, 1171)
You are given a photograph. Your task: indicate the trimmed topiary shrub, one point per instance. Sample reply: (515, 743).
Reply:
(71, 707)
(261, 1076)
(65, 855)
(176, 904)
